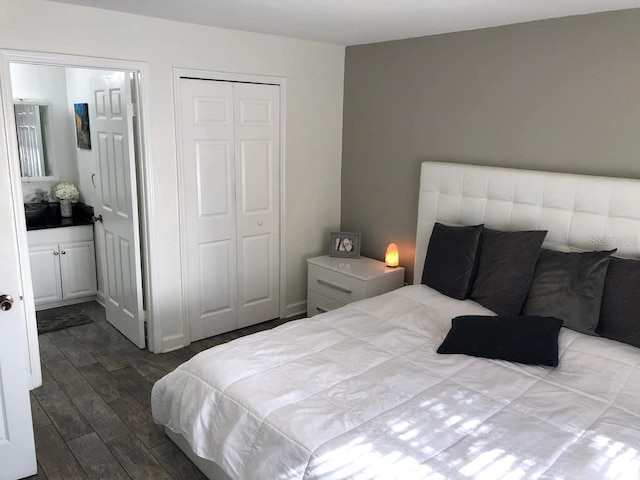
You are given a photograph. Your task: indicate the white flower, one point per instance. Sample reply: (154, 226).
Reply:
(66, 191)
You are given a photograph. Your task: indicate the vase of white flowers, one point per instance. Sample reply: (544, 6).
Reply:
(67, 193)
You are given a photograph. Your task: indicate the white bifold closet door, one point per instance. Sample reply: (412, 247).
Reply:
(230, 145)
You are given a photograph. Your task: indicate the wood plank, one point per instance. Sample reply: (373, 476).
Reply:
(177, 463)
(102, 382)
(154, 378)
(65, 416)
(137, 460)
(69, 379)
(170, 361)
(97, 343)
(138, 386)
(89, 333)
(49, 385)
(54, 456)
(111, 359)
(139, 420)
(49, 353)
(58, 335)
(38, 417)
(101, 417)
(96, 459)
(38, 476)
(200, 346)
(143, 363)
(73, 350)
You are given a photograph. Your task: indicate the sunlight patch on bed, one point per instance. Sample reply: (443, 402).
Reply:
(618, 460)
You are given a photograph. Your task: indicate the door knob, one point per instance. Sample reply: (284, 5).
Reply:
(6, 302)
(97, 219)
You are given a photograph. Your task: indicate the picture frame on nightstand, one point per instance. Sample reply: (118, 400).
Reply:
(344, 244)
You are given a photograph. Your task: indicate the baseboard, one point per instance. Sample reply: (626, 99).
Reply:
(100, 298)
(174, 342)
(294, 309)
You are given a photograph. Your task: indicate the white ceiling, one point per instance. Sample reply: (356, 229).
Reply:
(354, 22)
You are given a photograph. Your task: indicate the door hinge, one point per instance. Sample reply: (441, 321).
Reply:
(131, 109)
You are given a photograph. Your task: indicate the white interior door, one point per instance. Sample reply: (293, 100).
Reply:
(17, 449)
(230, 145)
(257, 139)
(209, 209)
(117, 202)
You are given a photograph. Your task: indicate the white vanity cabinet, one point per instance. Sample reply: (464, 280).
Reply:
(63, 265)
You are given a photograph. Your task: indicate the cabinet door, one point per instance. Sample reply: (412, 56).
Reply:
(45, 273)
(78, 268)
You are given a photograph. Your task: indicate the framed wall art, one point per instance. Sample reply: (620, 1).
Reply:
(82, 125)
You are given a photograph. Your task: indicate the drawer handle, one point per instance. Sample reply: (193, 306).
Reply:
(334, 286)
(321, 310)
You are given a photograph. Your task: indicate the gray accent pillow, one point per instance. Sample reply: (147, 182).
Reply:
(620, 310)
(569, 286)
(452, 259)
(505, 269)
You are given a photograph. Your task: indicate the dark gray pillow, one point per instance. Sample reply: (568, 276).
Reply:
(620, 310)
(452, 259)
(569, 286)
(531, 340)
(507, 261)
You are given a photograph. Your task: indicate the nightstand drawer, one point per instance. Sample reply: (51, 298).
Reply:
(336, 285)
(317, 304)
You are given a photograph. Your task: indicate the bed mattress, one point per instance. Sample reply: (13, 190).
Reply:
(360, 392)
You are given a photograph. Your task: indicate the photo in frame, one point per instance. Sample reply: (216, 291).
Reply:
(344, 244)
(83, 134)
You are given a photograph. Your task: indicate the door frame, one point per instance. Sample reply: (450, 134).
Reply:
(145, 183)
(243, 78)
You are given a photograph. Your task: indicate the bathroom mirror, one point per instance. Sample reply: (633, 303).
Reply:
(33, 128)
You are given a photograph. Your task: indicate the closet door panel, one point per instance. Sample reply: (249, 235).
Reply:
(209, 206)
(257, 268)
(257, 146)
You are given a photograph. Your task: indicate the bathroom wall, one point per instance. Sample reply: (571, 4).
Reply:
(79, 81)
(49, 84)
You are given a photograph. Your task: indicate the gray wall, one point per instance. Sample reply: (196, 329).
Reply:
(560, 95)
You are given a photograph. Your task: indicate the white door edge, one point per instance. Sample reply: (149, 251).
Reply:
(26, 288)
(145, 183)
(229, 77)
(22, 371)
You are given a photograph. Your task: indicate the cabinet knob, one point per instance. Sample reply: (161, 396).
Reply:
(63, 252)
(259, 223)
(55, 253)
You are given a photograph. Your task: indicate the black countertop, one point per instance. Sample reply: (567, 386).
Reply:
(82, 215)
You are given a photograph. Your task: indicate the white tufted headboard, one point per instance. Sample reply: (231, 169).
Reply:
(580, 212)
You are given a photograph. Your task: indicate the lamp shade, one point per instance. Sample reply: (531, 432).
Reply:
(391, 257)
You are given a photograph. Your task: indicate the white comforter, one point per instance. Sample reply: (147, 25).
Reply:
(361, 393)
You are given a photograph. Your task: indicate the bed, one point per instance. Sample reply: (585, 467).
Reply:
(360, 392)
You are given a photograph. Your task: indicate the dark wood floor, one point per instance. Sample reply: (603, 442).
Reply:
(92, 417)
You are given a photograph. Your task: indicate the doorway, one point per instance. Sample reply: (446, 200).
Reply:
(110, 159)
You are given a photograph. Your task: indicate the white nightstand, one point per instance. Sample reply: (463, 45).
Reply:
(333, 282)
